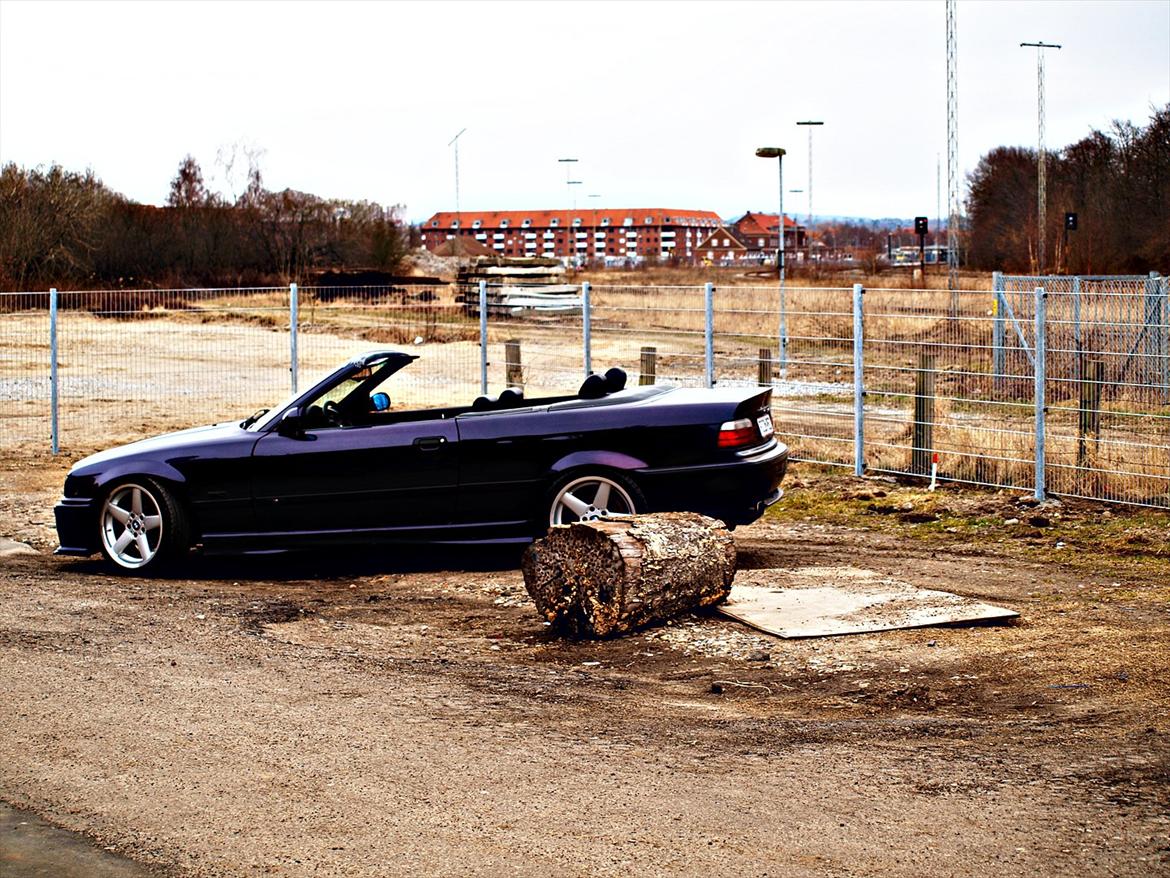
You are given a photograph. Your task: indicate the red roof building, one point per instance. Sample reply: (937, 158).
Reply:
(758, 231)
(623, 236)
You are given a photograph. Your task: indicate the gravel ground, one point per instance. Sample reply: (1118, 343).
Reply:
(406, 712)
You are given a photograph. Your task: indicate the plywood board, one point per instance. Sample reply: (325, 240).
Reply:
(854, 602)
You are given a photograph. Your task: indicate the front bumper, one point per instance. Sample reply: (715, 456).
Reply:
(737, 491)
(76, 526)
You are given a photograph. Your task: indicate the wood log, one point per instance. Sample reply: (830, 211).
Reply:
(608, 577)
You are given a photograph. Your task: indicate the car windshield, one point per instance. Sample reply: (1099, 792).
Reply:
(334, 393)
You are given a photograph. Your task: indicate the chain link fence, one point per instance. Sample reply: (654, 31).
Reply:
(1053, 385)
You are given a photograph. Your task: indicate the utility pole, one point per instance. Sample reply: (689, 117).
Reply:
(1041, 156)
(455, 142)
(952, 160)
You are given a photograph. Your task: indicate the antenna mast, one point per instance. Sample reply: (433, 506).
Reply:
(455, 142)
(952, 160)
(1041, 155)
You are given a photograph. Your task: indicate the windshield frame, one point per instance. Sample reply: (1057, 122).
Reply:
(384, 363)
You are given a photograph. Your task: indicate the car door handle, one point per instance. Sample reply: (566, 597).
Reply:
(430, 443)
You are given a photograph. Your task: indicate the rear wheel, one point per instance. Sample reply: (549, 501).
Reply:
(589, 496)
(142, 526)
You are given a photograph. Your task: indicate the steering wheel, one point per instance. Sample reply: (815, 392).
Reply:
(331, 411)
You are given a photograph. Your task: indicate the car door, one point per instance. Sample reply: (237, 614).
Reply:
(384, 476)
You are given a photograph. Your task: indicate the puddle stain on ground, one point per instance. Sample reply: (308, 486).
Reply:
(32, 848)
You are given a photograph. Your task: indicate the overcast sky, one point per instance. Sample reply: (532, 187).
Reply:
(663, 103)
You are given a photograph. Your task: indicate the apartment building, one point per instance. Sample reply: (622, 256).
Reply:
(613, 236)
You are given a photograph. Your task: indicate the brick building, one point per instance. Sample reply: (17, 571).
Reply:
(623, 236)
(758, 231)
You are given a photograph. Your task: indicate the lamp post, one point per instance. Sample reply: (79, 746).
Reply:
(775, 152)
(593, 229)
(568, 182)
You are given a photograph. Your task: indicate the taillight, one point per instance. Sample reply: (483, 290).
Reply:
(734, 434)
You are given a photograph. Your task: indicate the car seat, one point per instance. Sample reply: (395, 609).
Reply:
(592, 388)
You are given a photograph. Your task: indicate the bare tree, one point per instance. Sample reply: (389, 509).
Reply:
(188, 189)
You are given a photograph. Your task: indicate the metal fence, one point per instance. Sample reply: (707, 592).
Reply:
(1060, 386)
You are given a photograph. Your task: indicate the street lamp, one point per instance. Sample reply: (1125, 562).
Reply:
(568, 182)
(775, 152)
(593, 228)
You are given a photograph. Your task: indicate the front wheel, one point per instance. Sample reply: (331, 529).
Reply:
(590, 496)
(142, 526)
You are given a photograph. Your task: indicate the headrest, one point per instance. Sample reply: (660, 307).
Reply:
(511, 396)
(481, 404)
(615, 380)
(592, 388)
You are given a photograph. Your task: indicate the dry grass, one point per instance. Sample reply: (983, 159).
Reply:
(798, 276)
(228, 350)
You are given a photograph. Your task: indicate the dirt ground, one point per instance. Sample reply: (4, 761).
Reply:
(406, 712)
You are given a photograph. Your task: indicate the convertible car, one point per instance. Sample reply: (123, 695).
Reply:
(339, 463)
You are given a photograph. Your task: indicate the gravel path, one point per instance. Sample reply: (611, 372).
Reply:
(318, 716)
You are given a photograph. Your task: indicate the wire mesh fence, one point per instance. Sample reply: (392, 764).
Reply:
(1065, 391)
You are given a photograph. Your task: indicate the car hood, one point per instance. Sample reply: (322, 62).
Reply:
(165, 445)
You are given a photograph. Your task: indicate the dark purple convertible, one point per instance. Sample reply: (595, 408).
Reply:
(339, 463)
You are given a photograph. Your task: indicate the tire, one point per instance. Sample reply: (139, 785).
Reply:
(574, 496)
(142, 527)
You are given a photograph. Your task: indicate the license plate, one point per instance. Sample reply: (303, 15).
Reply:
(764, 422)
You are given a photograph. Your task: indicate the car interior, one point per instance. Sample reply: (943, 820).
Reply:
(356, 401)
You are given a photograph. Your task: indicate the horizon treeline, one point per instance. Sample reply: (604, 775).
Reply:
(1118, 184)
(61, 228)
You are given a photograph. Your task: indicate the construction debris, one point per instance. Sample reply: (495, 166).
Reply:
(518, 285)
(852, 608)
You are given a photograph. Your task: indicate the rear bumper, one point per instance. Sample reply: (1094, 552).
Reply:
(737, 492)
(76, 526)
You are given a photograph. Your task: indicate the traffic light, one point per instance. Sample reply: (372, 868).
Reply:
(921, 225)
(1070, 222)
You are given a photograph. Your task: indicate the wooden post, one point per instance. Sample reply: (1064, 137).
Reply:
(923, 416)
(649, 366)
(765, 367)
(513, 372)
(1092, 376)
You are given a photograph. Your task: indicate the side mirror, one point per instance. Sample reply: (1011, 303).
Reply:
(292, 424)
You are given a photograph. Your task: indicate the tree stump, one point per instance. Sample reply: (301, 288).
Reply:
(608, 577)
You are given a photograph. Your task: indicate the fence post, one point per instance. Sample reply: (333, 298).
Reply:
(513, 370)
(54, 395)
(1090, 410)
(923, 448)
(1158, 370)
(648, 368)
(293, 322)
(709, 337)
(483, 338)
(764, 377)
(587, 327)
(1165, 334)
(1041, 349)
(999, 308)
(858, 382)
(1078, 366)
